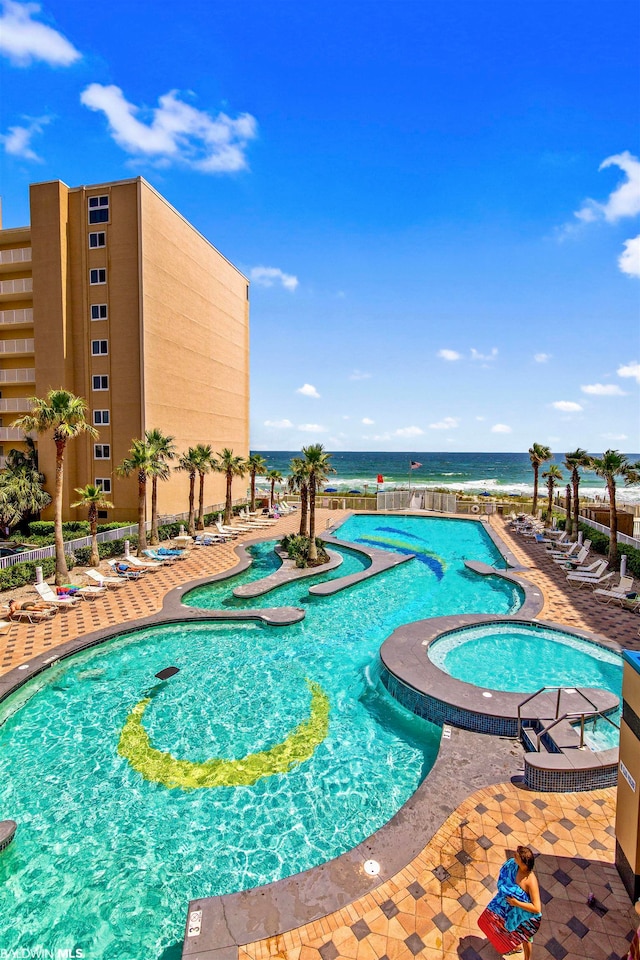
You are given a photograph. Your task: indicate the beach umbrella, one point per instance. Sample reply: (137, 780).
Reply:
(330, 489)
(355, 491)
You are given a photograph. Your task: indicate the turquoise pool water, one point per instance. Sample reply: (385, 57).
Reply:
(518, 657)
(105, 860)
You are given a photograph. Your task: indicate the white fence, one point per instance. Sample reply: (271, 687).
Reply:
(622, 537)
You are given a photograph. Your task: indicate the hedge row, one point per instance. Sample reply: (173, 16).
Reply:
(22, 573)
(600, 544)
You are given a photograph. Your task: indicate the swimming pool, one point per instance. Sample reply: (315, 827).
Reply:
(525, 657)
(114, 840)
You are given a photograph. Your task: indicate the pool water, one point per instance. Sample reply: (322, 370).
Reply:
(108, 853)
(523, 658)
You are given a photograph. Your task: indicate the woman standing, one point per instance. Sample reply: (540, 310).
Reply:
(513, 916)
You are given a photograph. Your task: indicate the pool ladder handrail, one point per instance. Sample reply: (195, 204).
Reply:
(559, 690)
(592, 715)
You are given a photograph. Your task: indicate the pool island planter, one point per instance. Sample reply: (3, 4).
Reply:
(419, 685)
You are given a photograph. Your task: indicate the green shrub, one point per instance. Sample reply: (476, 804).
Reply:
(600, 544)
(21, 574)
(297, 548)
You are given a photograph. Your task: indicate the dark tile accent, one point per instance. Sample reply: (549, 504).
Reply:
(540, 804)
(500, 797)
(441, 873)
(596, 845)
(414, 943)
(464, 858)
(484, 842)
(562, 877)
(567, 824)
(489, 883)
(598, 908)
(467, 901)
(416, 890)
(328, 951)
(470, 954)
(550, 837)
(556, 949)
(504, 829)
(545, 896)
(481, 808)
(583, 812)
(442, 922)
(389, 909)
(577, 927)
(523, 815)
(582, 863)
(361, 929)
(610, 830)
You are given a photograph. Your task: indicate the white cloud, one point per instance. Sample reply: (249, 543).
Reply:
(624, 201)
(614, 436)
(409, 432)
(629, 259)
(630, 370)
(542, 357)
(17, 141)
(603, 390)
(566, 406)
(367, 422)
(23, 39)
(176, 132)
(447, 423)
(311, 428)
(308, 390)
(476, 355)
(359, 375)
(449, 355)
(267, 276)
(500, 428)
(279, 424)
(481, 418)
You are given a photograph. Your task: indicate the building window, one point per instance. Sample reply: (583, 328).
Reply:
(104, 483)
(100, 383)
(100, 418)
(99, 348)
(98, 209)
(98, 276)
(101, 451)
(98, 239)
(103, 515)
(99, 311)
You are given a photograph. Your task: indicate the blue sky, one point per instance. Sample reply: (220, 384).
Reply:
(438, 203)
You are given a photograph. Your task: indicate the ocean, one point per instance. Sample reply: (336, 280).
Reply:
(494, 473)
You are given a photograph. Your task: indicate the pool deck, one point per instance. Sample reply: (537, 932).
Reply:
(426, 901)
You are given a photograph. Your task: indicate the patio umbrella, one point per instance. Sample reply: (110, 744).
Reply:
(330, 489)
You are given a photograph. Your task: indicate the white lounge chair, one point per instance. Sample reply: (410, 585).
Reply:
(227, 532)
(111, 583)
(589, 570)
(47, 594)
(587, 581)
(573, 561)
(151, 565)
(618, 594)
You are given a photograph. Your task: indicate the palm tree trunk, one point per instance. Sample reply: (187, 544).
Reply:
(154, 512)
(576, 506)
(273, 487)
(93, 525)
(304, 510)
(567, 509)
(313, 553)
(227, 500)
(534, 506)
(200, 524)
(253, 491)
(613, 522)
(550, 503)
(62, 573)
(142, 496)
(191, 529)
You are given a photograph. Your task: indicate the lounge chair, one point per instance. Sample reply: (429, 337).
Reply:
(629, 603)
(155, 557)
(579, 581)
(33, 614)
(111, 583)
(226, 532)
(125, 570)
(573, 561)
(618, 594)
(589, 570)
(172, 552)
(151, 565)
(45, 593)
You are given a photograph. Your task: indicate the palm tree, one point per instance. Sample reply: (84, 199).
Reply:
(232, 466)
(93, 499)
(63, 414)
(553, 475)
(538, 454)
(573, 461)
(162, 450)
(319, 468)
(22, 494)
(274, 476)
(205, 461)
(298, 482)
(139, 461)
(188, 462)
(610, 465)
(256, 464)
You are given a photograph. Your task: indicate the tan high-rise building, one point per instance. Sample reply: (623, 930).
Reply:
(110, 293)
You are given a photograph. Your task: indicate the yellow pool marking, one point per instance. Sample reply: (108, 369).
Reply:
(135, 746)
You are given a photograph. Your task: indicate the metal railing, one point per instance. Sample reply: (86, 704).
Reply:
(15, 405)
(18, 255)
(20, 285)
(21, 375)
(17, 346)
(24, 315)
(559, 692)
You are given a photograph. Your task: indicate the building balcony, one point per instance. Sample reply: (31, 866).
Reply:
(17, 318)
(15, 405)
(21, 375)
(9, 258)
(16, 289)
(10, 433)
(17, 348)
